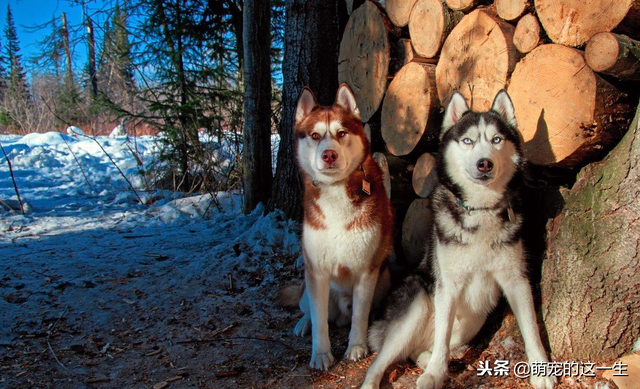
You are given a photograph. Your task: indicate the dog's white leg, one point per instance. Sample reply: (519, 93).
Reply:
(518, 292)
(445, 299)
(304, 324)
(400, 340)
(317, 283)
(363, 291)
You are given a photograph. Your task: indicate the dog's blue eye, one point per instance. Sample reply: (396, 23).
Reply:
(467, 141)
(496, 140)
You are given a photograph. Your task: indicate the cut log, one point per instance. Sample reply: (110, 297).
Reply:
(574, 22)
(476, 59)
(424, 177)
(415, 228)
(590, 294)
(463, 5)
(430, 23)
(364, 57)
(616, 55)
(511, 9)
(527, 34)
(566, 113)
(399, 11)
(410, 108)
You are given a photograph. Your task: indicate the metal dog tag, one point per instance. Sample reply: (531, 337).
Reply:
(366, 187)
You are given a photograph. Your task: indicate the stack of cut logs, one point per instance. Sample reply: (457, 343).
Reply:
(570, 66)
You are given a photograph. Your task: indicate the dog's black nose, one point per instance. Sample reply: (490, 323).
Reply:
(485, 165)
(329, 156)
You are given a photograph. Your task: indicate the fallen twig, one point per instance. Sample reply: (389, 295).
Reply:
(15, 185)
(54, 353)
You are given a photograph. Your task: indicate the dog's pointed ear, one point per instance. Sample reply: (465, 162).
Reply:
(504, 107)
(347, 100)
(457, 106)
(306, 103)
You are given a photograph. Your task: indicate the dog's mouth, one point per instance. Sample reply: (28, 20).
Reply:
(330, 169)
(482, 178)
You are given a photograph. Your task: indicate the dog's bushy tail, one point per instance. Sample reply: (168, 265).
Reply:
(289, 296)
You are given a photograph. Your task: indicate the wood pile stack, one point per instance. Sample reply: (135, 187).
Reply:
(568, 65)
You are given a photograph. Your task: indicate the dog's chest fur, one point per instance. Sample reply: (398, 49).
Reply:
(472, 246)
(348, 235)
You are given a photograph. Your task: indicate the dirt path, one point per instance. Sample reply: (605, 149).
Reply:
(167, 307)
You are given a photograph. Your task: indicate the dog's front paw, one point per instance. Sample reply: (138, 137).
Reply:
(357, 352)
(303, 327)
(321, 361)
(430, 381)
(540, 382)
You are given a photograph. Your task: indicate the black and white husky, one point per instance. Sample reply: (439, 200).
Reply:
(475, 251)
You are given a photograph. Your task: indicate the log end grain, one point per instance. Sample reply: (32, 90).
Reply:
(511, 9)
(364, 58)
(527, 34)
(408, 108)
(430, 23)
(574, 22)
(399, 11)
(476, 59)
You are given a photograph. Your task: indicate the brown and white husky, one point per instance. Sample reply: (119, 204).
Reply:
(348, 224)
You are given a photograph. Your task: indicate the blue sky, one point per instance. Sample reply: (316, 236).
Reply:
(31, 13)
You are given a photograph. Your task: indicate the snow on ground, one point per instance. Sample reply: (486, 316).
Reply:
(113, 269)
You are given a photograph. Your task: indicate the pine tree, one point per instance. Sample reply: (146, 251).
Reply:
(17, 85)
(116, 80)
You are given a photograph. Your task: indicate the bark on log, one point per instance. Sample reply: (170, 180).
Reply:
(574, 22)
(424, 177)
(527, 34)
(381, 160)
(575, 118)
(430, 23)
(364, 57)
(591, 276)
(414, 230)
(511, 9)
(476, 59)
(399, 11)
(410, 108)
(616, 55)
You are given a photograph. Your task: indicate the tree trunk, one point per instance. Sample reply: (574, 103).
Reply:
(67, 49)
(410, 109)
(257, 103)
(615, 55)
(92, 59)
(591, 276)
(574, 22)
(527, 34)
(365, 55)
(307, 61)
(577, 120)
(430, 23)
(477, 59)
